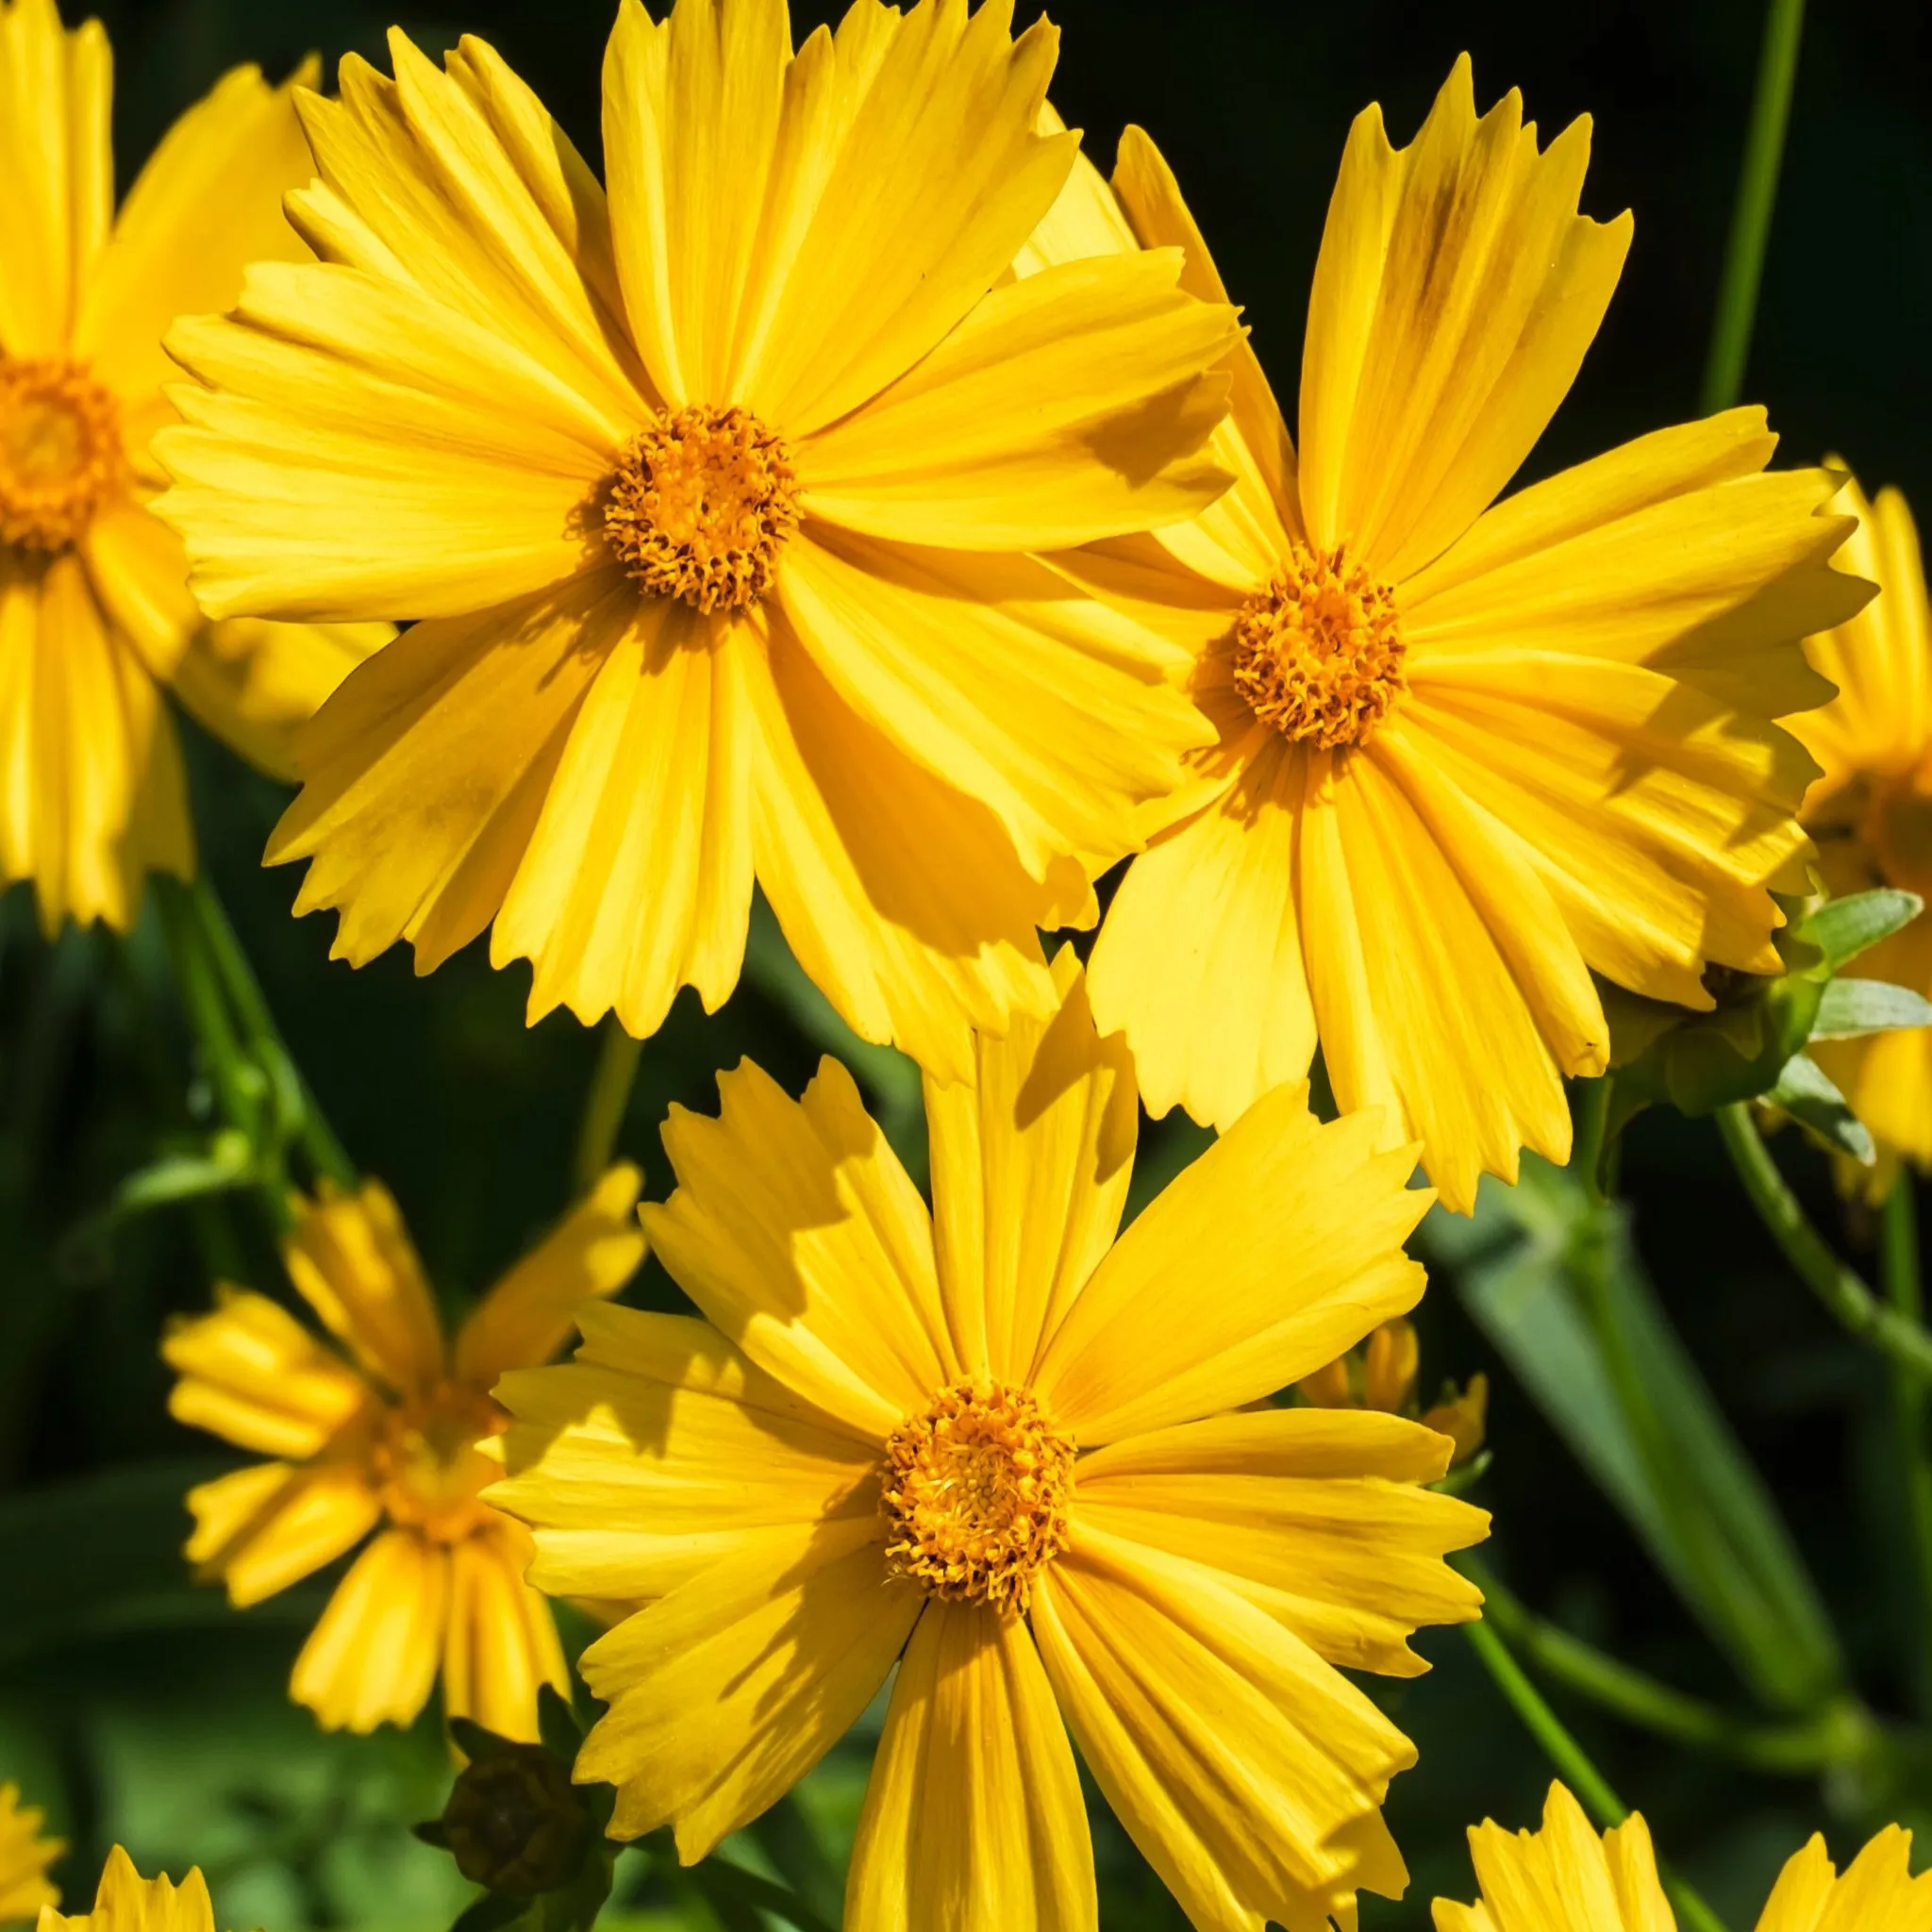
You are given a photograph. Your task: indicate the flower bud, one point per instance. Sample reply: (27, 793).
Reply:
(515, 1823)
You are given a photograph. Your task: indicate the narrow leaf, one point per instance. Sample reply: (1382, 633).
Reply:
(1852, 1007)
(1805, 1093)
(1843, 929)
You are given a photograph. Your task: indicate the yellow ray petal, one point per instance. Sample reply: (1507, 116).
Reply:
(1200, 960)
(1877, 1892)
(426, 772)
(207, 203)
(1275, 1251)
(372, 1658)
(359, 452)
(93, 796)
(725, 1693)
(902, 897)
(973, 1814)
(636, 879)
(57, 172)
(906, 176)
(352, 1260)
(499, 1642)
(796, 1230)
(999, 677)
(1031, 1159)
(262, 1529)
(1562, 1878)
(1249, 1773)
(251, 1373)
(653, 1453)
(126, 1902)
(1071, 405)
(1316, 1515)
(533, 1310)
(24, 1856)
(1456, 293)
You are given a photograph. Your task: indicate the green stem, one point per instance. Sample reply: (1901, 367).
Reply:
(1764, 146)
(1844, 1294)
(1592, 1125)
(1572, 1765)
(606, 1105)
(1898, 1263)
(1841, 1734)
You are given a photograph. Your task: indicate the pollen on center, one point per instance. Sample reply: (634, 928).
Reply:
(61, 452)
(1319, 653)
(975, 1495)
(429, 1468)
(702, 507)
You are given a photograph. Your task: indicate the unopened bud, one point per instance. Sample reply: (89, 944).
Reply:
(515, 1823)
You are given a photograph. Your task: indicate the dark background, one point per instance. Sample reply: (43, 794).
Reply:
(137, 1708)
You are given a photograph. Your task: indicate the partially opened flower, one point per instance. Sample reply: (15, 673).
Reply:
(126, 1902)
(24, 1856)
(1032, 1464)
(1565, 1878)
(714, 499)
(94, 610)
(1871, 812)
(381, 1428)
(1470, 752)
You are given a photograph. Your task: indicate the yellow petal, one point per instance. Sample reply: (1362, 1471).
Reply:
(126, 1902)
(1456, 293)
(1031, 1159)
(1277, 1249)
(207, 203)
(57, 172)
(973, 1814)
(262, 1529)
(652, 1455)
(999, 677)
(1200, 960)
(636, 879)
(93, 796)
(427, 770)
(1071, 405)
(725, 1693)
(901, 896)
(1562, 1878)
(1804, 1884)
(533, 1310)
(796, 1229)
(352, 1260)
(251, 1373)
(1250, 1774)
(500, 1640)
(371, 1660)
(1877, 1892)
(1316, 1515)
(24, 1856)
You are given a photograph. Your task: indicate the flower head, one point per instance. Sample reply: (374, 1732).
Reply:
(94, 607)
(126, 1902)
(24, 1856)
(715, 498)
(1469, 753)
(384, 1428)
(1030, 1461)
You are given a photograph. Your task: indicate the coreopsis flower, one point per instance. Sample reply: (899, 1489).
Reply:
(713, 498)
(24, 1856)
(1871, 814)
(95, 615)
(126, 1902)
(381, 1428)
(1469, 752)
(1016, 1456)
(1381, 1373)
(1565, 1878)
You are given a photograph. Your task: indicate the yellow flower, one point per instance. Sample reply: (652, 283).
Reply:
(126, 1902)
(713, 499)
(1012, 1454)
(1470, 752)
(1382, 1374)
(24, 1856)
(94, 607)
(1871, 813)
(1564, 1879)
(387, 1430)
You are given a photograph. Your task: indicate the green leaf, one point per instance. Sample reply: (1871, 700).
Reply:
(1852, 1007)
(1843, 929)
(1805, 1093)
(1695, 1501)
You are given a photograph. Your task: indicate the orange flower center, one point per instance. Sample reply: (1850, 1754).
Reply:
(1318, 653)
(975, 1495)
(428, 1466)
(61, 453)
(702, 507)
